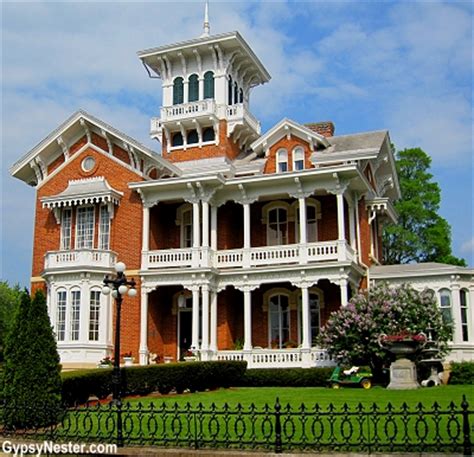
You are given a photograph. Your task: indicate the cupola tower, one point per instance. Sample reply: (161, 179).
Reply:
(206, 88)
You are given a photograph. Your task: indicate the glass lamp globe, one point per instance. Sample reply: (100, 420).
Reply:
(106, 290)
(132, 292)
(120, 267)
(123, 289)
(114, 293)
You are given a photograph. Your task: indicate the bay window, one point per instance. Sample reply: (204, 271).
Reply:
(61, 304)
(85, 227)
(75, 314)
(104, 228)
(94, 313)
(66, 226)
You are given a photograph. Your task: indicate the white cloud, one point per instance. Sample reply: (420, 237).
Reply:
(467, 247)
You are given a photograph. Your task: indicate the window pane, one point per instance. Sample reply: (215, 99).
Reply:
(104, 228)
(193, 137)
(229, 90)
(178, 91)
(209, 84)
(66, 225)
(193, 88)
(177, 139)
(94, 310)
(61, 316)
(208, 134)
(85, 227)
(75, 314)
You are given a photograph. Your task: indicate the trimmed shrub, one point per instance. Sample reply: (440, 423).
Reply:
(287, 377)
(462, 373)
(78, 386)
(32, 382)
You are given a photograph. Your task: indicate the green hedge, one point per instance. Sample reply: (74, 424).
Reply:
(462, 373)
(287, 377)
(78, 386)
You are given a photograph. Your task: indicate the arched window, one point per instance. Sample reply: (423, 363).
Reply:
(178, 91)
(298, 158)
(184, 217)
(193, 137)
(445, 305)
(61, 304)
(229, 90)
(75, 314)
(241, 96)
(277, 226)
(209, 84)
(193, 88)
(279, 320)
(208, 134)
(236, 92)
(94, 315)
(463, 301)
(282, 160)
(177, 139)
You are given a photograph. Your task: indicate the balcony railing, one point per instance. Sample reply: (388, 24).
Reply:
(279, 358)
(80, 258)
(176, 112)
(253, 257)
(239, 112)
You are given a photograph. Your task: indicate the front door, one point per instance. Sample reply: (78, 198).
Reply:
(184, 332)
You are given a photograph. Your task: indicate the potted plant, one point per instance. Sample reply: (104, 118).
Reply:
(189, 356)
(127, 359)
(290, 344)
(106, 362)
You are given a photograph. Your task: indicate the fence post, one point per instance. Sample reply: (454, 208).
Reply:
(118, 406)
(278, 446)
(467, 445)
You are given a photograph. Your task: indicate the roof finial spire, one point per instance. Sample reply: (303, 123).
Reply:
(207, 27)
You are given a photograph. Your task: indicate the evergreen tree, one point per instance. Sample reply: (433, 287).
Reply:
(9, 303)
(32, 382)
(421, 234)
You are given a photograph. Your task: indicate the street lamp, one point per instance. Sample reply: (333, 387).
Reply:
(118, 287)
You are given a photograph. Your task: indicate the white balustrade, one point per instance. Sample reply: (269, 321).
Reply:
(277, 358)
(80, 258)
(176, 112)
(155, 125)
(256, 257)
(167, 258)
(239, 112)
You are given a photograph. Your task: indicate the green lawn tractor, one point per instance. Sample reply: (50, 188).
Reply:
(353, 377)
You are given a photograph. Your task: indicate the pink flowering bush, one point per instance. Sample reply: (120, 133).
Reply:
(350, 334)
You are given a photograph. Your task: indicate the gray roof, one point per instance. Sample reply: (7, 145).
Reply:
(356, 141)
(417, 269)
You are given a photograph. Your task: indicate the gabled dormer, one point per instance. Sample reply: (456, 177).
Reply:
(206, 91)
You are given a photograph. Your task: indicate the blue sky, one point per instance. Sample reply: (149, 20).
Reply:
(401, 66)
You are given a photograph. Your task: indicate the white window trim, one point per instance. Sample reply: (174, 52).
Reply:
(295, 210)
(276, 205)
(184, 208)
(279, 161)
(101, 208)
(293, 155)
(65, 320)
(267, 299)
(62, 245)
(96, 290)
(70, 312)
(466, 307)
(77, 226)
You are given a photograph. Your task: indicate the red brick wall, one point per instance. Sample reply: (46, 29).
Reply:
(230, 226)
(164, 233)
(289, 145)
(364, 233)
(323, 128)
(225, 148)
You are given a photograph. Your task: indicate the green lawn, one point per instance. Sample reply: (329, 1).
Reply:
(321, 395)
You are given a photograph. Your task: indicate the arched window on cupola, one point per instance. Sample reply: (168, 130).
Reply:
(178, 91)
(282, 160)
(236, 92)
(177, 139)
(229, 90)
(193, 88)
(209, 84)
(193, 137)
(298, 158)
(241, 96)
(208, 134)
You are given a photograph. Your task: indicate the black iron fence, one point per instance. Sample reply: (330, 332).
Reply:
(276, 428)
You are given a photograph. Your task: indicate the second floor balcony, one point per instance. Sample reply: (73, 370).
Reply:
(289, 254)
(79, 259)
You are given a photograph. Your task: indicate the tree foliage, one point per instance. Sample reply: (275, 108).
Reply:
(421, 234)
(351, 333)
(32, 383)
(9, 303)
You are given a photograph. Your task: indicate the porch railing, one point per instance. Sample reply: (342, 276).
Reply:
(253, 257)
(80, 258)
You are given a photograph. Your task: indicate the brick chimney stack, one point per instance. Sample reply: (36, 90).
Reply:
(323, 128)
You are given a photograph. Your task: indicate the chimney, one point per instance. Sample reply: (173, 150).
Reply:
(323, 128)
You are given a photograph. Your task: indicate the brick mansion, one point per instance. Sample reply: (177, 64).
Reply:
(241, 242)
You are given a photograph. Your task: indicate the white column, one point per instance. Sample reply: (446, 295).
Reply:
(246, 254)
(205, 224)
(146, 229)
(352, 227)
(343, 287)
(205, 317)
(305, 318)
(195, 318)
(213, 343)
(247, 319)
(104, 319)
(456, 313)
(214, 228)
(303, 230)
(185, 91)
(341, 228)
(201, 89)
(50, 302)
(143, 351)
(196, 228)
